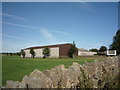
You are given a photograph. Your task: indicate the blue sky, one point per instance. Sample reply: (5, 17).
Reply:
(90, 25)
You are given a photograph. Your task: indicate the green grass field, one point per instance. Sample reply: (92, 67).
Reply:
(15, 68)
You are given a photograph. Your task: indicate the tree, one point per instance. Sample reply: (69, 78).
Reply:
(46, 52)
(32, 52)
(116, 42)
(94, 50)
(103, 48)
(72, 50)
(18, 53)
(22, 53)
(7, 54)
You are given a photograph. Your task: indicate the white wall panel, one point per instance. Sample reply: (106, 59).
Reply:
(27, 53)
(86, 53)
(38, 53)
(54, 52)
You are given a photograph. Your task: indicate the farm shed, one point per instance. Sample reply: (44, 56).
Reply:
(56, 51)
(85, 52)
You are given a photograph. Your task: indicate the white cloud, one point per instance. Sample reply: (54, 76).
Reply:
(48, 36)
(15, 17)
(65, 33)
(18, 38)
(36, 28)
(49, 39)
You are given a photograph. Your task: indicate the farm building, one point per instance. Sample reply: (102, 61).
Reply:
(85, 52)
(56, 51)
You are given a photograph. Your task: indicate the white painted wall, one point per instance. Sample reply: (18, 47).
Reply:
(113, 52)
(54, 52)
(86, 53)
(38, 53)
(27, 53)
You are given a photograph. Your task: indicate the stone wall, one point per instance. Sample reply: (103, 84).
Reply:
(97, 74)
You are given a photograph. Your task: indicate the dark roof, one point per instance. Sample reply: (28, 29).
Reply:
(57, 45)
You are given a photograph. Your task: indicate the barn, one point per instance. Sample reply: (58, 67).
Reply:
(56, 51)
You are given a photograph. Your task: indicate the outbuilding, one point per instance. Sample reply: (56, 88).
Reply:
(56, 51)
(85, 52)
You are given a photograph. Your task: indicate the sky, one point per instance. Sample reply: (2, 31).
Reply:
(29, 24)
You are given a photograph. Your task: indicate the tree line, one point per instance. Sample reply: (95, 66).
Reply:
(114, 46)
(101, 51)
(11, 54)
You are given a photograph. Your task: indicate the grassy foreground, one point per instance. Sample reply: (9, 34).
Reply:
(15, 68)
